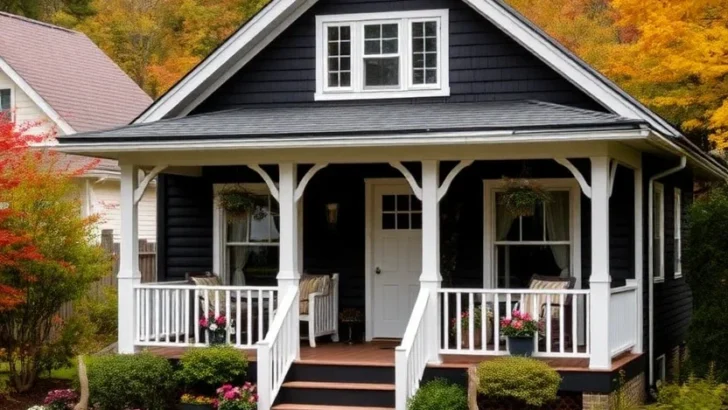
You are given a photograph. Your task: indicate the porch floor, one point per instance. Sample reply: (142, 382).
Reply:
(381, 353)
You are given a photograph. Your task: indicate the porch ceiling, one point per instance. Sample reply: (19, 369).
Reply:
(352, 120)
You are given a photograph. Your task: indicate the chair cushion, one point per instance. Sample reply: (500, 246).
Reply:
(211, 280)
(311, 284)
(540, 300)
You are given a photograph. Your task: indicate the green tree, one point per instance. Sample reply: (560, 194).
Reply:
(47, 212)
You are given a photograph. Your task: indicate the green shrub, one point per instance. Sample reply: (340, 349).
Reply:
(439, 394)
(703, 394)
(204, 370)
(141, 381)
(522, 379)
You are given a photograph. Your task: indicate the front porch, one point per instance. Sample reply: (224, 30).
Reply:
(385, 228)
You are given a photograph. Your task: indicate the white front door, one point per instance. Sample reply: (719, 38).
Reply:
(397, 259)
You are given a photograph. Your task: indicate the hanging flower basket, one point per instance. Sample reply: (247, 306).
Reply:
(521, 196)
(238, 203)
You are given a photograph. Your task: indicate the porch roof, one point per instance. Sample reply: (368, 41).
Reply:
(342, 119)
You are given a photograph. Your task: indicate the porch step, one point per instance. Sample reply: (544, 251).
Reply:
(315, 407)
(328, 386)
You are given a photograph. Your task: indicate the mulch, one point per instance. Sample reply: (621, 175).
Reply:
(22, 401)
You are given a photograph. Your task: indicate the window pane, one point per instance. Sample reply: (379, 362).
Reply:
(403, 202)
(381, 72)
(418, 60)
(333, 33)
(557, 217)
(415, 204)
(390, 31)
(345, 79)
(424, 52)
(4, 99)
(532, 226)
(388, 202)
(431, 76)
(237, 229)
(333, 64)
(372, 47)
(345, 48)
(418, 29)
(431, 60)
(333, 80)
(264, 225)
(431, 28)
(345, 33)
(388, 221)
(339, 60)
(390, 46)
(257, 264)
(430, 44)
(416, 221)
(373, 31)
(517, 264)
(403, 221)
(507, 227)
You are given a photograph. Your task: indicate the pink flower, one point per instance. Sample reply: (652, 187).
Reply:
(203, 322)
(505, 322)
(517, 324)
(225, 388)
(526, 316)
(220, 320)
(231, 395)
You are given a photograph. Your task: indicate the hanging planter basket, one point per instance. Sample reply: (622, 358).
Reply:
(521, 196)
(238, 203)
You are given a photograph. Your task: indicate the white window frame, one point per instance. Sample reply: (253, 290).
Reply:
(677, 204)
(406, 88)
(491, 187)
(659, 227)
(220, 243)
(5, 86)
(661, 369)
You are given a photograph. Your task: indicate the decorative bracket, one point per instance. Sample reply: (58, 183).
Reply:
(585, 188)
(139, 191)
(442, 190)
(306, 179)
(268, 181)
(408, 176)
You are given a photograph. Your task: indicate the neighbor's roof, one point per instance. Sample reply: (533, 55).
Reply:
(337, 119)
(70, 74)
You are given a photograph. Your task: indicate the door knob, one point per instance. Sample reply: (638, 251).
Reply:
(378, 271)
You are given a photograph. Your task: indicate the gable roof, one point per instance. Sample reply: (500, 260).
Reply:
(67, 76)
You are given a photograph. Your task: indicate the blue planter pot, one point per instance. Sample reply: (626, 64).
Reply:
(520, 346)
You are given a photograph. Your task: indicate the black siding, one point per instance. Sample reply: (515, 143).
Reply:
(672, 298)
(485, 64)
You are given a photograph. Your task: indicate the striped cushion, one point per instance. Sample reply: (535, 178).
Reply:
(211, 280)
(311, 284)
(534, 304)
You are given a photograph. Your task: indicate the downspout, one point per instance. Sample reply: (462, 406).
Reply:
(651, 260)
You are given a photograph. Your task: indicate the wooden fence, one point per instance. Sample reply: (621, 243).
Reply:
(147, 266)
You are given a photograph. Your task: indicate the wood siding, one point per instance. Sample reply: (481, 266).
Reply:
(673, 299)
(485, 64)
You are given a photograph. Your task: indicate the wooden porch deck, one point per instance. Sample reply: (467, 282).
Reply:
(381, 353)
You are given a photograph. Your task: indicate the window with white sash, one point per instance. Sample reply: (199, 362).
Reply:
(678, 233)
(5, 103)
(658, 233)
(382, 55)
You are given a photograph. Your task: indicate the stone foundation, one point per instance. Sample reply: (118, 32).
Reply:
(631, 394)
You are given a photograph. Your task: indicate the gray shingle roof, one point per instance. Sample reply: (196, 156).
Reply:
(321, 119)
(88, 90)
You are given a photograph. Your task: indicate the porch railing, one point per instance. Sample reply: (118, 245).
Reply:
(279, 349)
(168, 314)
(623, 326)
(563, 317)
(410, 358)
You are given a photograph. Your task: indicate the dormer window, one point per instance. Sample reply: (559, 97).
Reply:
(382, 55)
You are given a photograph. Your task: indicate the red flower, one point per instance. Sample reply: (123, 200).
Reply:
(220, 320)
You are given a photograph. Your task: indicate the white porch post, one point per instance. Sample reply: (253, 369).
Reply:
(288, 274)
(431, 278)
(599, 282)
(129, 274)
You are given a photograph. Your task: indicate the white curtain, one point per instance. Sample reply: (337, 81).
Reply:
(557, 229)
(503, 222)
(240, 254)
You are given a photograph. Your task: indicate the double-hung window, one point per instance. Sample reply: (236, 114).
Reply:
(658, 233)
(382, 55)
(678, 232)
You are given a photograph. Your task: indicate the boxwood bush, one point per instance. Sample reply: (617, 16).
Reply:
(205, 369)
(439, 394)
(520, 379)
(141, 381)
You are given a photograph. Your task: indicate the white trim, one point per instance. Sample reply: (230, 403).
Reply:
(416, 189)
(394, 139)
(677, 232)
(585, 188)
(406, 89)
(306, 179)
(272, 187)
(661, 363)
(659, 274)
(36, 98)
(639, 252)
(442, 190)
(491, 186)
(139, 191)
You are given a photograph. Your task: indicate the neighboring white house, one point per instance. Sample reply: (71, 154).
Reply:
(60, 79)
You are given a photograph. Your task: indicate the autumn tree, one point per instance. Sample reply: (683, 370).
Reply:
(42, 208)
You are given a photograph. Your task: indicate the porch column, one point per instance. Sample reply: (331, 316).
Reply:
(288, 274)
(129, 274)
(431, 278)
(600, 281)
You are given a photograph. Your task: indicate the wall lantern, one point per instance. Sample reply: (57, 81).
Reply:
(332, 214)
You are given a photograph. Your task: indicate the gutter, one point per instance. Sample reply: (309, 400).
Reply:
(651, 261)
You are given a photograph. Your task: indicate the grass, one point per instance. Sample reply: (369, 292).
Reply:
(66, 373)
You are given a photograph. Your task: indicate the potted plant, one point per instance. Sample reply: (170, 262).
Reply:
(521, 196)
(216, 327)
(237, 398)
(520, 329)
(237, 203)
(192, 402)
(464, 319)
